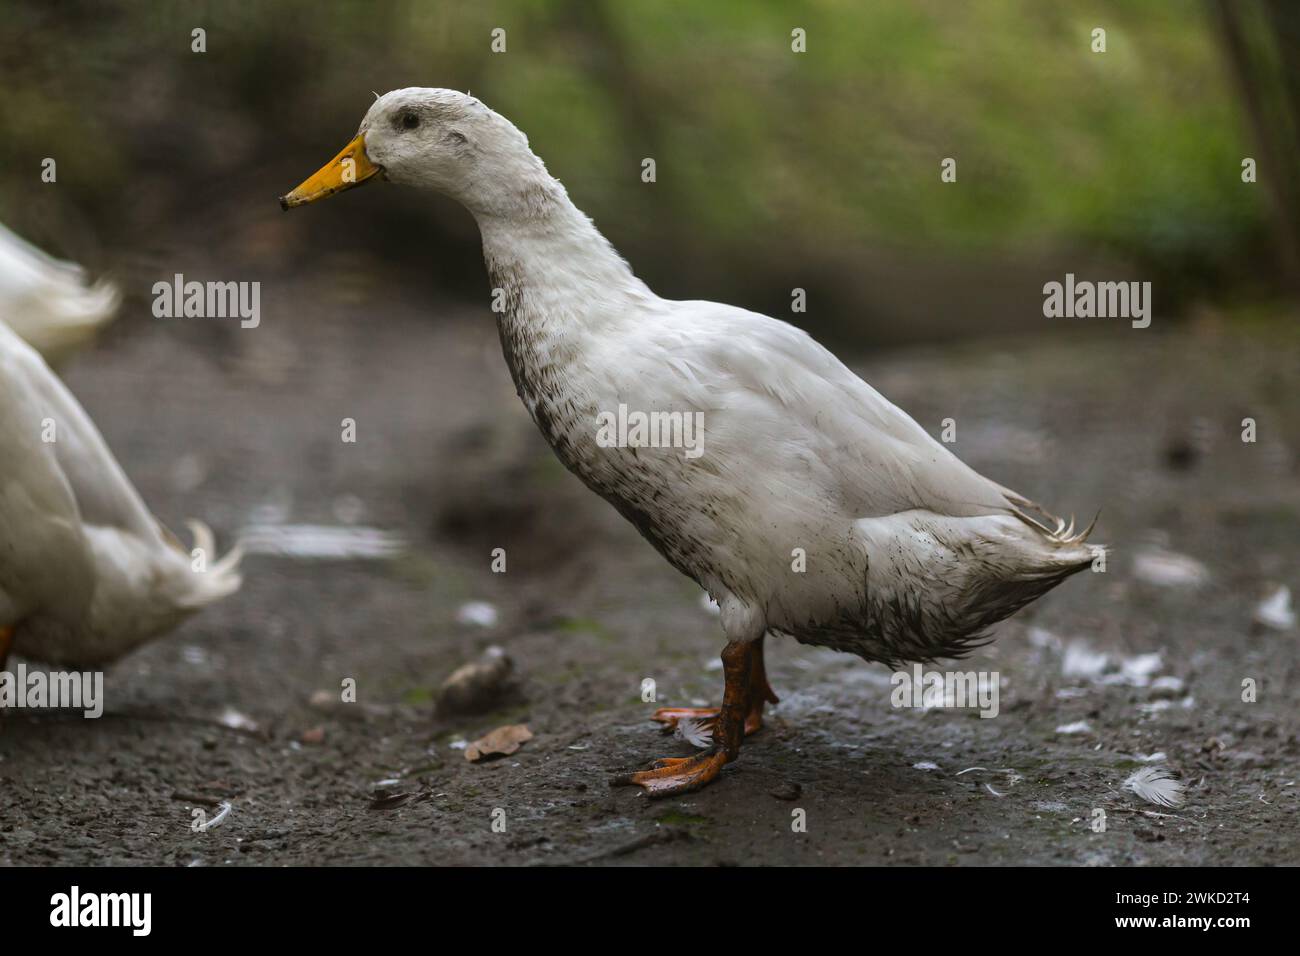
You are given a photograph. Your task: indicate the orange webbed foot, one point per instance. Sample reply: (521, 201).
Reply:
(726, 729)
(673, 775)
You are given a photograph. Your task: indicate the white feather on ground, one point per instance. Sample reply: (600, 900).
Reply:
(477, 613)
(1169, 569)
(1155, 785)
(1078, 727)
(1275, 611)
(697, 733)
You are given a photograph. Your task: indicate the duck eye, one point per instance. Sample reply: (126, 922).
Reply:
(410, 120)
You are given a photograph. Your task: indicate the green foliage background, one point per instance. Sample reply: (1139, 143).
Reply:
(768, 162)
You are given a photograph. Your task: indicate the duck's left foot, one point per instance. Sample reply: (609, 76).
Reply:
(674, 775)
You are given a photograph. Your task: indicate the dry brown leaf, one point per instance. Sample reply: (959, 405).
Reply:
(498, 743)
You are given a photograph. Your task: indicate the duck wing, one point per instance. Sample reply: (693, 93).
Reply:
(764, 383)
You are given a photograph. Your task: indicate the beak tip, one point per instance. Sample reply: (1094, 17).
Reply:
(351, 167)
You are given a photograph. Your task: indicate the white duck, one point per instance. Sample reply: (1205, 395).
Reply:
(48, 302)
(86, 572)
(909, 555)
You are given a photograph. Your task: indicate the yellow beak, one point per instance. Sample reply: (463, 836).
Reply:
(351, 167)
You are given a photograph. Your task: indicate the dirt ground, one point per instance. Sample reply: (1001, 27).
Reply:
(243, 426)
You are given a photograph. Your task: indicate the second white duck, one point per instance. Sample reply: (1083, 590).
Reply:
(86, 571)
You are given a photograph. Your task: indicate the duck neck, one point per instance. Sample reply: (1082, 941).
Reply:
(550, 267)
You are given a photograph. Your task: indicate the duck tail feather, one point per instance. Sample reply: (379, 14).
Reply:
(1058, 530)
(220, 578)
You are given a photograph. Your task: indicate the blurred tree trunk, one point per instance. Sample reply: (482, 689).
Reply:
(1285, 18)
(611, 67)
(1272, 105)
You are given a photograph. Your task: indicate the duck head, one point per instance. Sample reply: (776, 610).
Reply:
(437, 139)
